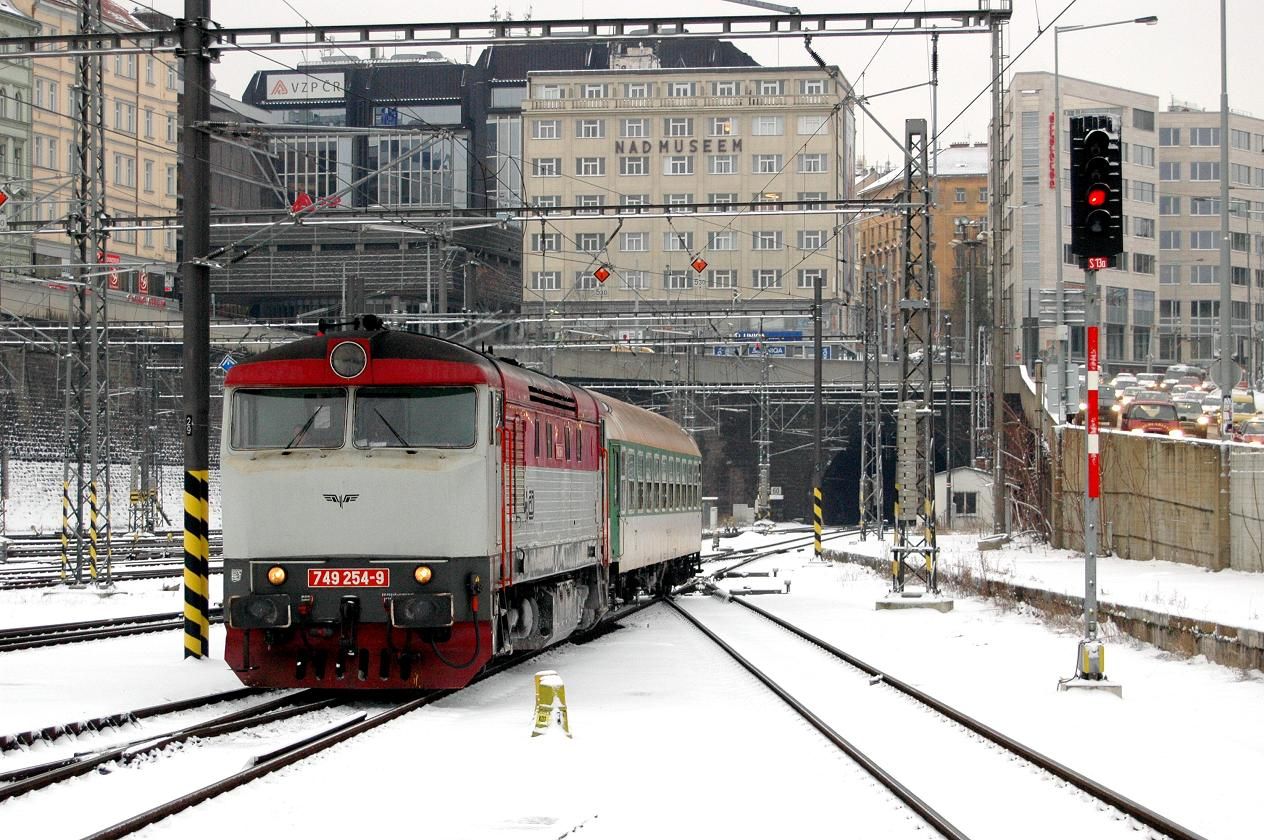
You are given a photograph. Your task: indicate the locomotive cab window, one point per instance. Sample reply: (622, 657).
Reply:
(407, 418)
(288, 418)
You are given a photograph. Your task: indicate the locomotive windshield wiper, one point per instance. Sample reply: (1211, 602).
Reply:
(397, 435)
(299, 434)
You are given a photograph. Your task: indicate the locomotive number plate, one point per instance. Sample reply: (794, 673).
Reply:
(348, 577)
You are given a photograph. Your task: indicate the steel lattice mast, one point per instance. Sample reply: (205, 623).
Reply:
(871, 412)
(915, 541)
(87, 443)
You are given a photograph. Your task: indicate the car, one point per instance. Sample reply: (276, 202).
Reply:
(1123, 380)
(1156, 417)
(1243, 406)
(1251, 431)
(1105, 404)
(1194, 420)
(1153, 381)
(1178, 388)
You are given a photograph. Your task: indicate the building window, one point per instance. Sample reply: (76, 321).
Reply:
(767, 164)
(1204, 206)
(676, 90)
(1169, 205)
(546, 167)
(722, 198)
(149, 170)
(1143, 120)
(634, 166)
(171, 128)
(765, 278)
(592, 243)
(678, 280)
(817, 163)
(1143, 155)
(633, 200)
(542, 242)
(1203, 171)
(171, 180)
(1169, 275)
(1142, 191)
(724, 278)
(721, 127)
(550, 92)
(682, 200)
(546, 281)
(1240, 173)
(810, 278)
(1170, 170)
(1169, 240)
(811, 87)
(634, 280)
(1239, 275)
(965, 503)
(594, 91)
(722, 164)
(678, 240)
(590, 166)
(678, 165)
(1204, 137)
(959, 195)
(1239, 242)
(546, 201)
(1204, 275)
(983, 195)
(678, 126)
(728, 88)
(545, 129)
(1143, 263)
(771, 87)
(585, 281)
(635, 241)
(1204, 240)
(590, 129)
(1143, 227)
(1169, 137)
(766, 240)
(589, 205)
(636, 90)
(722, 240)
(811, 240)
(811, 124)
(768, 125)
(634, 128)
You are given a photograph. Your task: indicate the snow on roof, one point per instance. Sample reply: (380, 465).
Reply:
(955, 160)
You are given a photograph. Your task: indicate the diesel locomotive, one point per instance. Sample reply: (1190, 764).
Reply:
(399, 509)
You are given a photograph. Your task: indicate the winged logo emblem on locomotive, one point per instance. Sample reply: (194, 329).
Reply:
(344, 499)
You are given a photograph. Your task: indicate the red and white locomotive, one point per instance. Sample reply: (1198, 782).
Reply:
(399, 509)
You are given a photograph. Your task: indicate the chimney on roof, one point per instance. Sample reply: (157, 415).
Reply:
(636, 57)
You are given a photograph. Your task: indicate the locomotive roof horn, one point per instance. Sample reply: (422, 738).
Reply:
(368, 322)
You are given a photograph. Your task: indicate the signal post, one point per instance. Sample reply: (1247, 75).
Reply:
(1097, 239)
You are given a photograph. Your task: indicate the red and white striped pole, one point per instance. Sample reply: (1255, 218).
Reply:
(1092, 656)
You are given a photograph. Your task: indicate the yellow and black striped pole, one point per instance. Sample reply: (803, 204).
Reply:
(92, 529)
(817, 519)
(65, 527)
(197, 626)
(195, 279)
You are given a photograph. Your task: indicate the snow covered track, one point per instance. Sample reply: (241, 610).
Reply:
(948, 758)
(52, 733)
(749, 555)
(24, 638)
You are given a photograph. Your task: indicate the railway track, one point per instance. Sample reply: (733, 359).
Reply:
(25, 638)
(50, 577)
(742, 557)
(810, 675)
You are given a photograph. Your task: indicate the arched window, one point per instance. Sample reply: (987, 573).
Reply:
(4, 103)
(17, 106)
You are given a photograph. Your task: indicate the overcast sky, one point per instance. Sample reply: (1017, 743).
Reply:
(1178, 57)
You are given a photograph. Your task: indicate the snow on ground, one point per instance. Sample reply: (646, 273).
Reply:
(671, 738)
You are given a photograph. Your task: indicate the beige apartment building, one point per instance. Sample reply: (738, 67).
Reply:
(141, 135)
(15, 140)
(683, 144)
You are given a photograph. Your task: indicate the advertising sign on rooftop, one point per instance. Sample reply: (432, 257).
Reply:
(290, 87)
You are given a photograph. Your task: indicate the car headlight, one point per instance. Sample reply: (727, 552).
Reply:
(1176, 433)
(1115, 408)
(1083, 406)
(1203, 420)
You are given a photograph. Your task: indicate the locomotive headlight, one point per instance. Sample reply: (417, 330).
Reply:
(348, 360)
(276, 576)
(422, 574)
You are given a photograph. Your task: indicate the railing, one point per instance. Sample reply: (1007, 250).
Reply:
(660, 103)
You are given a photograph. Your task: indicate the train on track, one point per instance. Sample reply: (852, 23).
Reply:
(399, 509)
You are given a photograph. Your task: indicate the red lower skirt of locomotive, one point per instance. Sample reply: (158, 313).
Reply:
(377, 656)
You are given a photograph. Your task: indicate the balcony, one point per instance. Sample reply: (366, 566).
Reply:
(677, 103)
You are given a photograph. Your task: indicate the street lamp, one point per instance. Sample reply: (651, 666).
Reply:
(1060, 328)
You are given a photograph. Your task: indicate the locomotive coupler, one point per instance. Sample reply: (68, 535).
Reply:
(349, 617)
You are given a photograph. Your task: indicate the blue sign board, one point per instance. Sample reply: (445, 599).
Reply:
(227, 362)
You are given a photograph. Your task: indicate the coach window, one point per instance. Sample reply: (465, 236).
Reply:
(404, 417)
(566, 442)
(642, 484)
(579, 444)
(288, 418)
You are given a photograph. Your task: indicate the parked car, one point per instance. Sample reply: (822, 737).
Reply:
(1156, 417)
(1251, 431)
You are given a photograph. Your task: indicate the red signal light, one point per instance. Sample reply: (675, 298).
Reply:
(1096, 197)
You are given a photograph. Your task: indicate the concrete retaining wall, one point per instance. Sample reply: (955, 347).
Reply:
(1235, 647)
